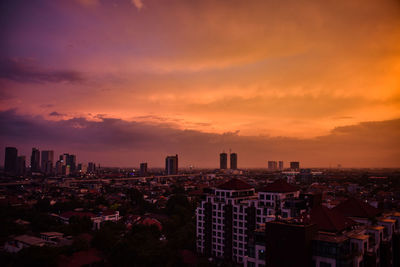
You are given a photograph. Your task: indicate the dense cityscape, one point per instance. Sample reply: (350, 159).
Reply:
(206, 133)
(66, 213)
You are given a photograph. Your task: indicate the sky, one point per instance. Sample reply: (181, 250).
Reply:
(121, 82)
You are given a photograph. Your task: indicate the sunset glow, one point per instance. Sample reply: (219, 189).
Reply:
(202, 72)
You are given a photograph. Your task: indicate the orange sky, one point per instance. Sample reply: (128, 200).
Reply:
(258, 68)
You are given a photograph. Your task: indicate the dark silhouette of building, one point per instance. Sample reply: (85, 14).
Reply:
(10, 160)
(21, 165)
(272, 165)
(47, 161)
(289, 244)
(280, 165)
(223, 161)
(294, 165)
(143, 169)
(35, 160)
(171, 165)
(91, 167)
(233, 161)
(71, 162)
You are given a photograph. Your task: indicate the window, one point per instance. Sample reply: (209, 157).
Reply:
(261, 254)
(262, 196)
(268, 197)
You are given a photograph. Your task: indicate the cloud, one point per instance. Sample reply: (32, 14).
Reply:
(56, 114)
(116, 142)
(138, 4)
(25, 71)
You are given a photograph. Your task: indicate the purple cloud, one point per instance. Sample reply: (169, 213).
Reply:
(117, 142)
(25, 71)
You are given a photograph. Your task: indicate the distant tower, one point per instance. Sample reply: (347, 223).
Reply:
(21, 165)
(91, 168)
(171, 165)
(295, 165)
(10, 160)
(281, 165)
(71, 162)
(47, 161)
(143, 169)
(272, 165)
(233, 161)
(35, 160)
(223, 161)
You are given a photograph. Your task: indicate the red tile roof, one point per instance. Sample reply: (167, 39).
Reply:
(356, 208)
(235, 184)
(280, 186)
(330, 220)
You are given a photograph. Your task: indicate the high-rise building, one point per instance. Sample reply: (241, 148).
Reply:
(233, 161)
(223, 161)
(21, 165)
(35, 160)
(227, 218)
(91, 167)
(280, 165)
(272, 165)
(171, 165)
(10, 160)
(71, 162)
(294, 165)
(47, 161)
(143, 169)
(81, 168)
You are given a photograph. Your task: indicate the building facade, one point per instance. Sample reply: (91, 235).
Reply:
(223, 161)
(171, 165)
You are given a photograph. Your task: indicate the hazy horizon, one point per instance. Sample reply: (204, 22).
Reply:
(121, 82)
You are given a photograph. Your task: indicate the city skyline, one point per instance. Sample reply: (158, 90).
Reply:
(131, 81)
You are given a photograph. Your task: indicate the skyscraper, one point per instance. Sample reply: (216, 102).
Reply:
(272, 165)
(71, 162)
(233, 161)
(10, 160)
(91, 167)
(21, 165)
(295, 165)
(280, 165)
(223, 161)
(47, 161)
(171, 165)
(143, 169)
(35, 160)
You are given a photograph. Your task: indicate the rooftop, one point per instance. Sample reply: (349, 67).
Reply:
(30, 240)
(235, 184)
(356, 208)
(330, 220)
(280, 186)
